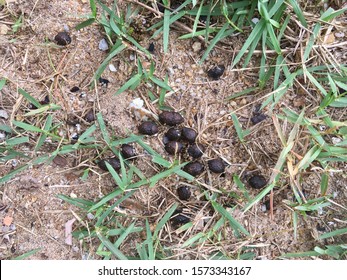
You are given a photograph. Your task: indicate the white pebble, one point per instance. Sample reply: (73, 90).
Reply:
(196, 46)
(336, 140)
(339, 34)
(255, 20)
(132, 57)
(103, 46)
(3, 114)
(112, 68)
(136, 103)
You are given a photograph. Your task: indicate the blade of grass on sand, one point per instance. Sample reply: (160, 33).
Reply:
(164, 220)
(28, 97)
(333, 233)
(43, 136)
(27, 254)
(234, 224)
(108, 244)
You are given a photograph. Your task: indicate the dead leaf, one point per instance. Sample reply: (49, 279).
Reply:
(7, 221)
(68, 231)
(60, 161)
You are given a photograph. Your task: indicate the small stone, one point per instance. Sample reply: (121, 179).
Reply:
(148, 128)
(112, 68)
(189, 134)
(114, 162)
(196, 47)
(170, 118)
(173, 147)
(3, 114)
(196, 150)
(216, 165)
(194, 168)
(128, 151)
(183, 192)
(62, 38)
(216, 72)
(103, 45)
(257, 181)
(173, 134)
(339, 34)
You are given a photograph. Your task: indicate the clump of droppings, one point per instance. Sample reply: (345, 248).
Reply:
(216, 165)
(257, 181)
(114, 162)
(183, 192)
(170, 118)
(148, 128)
(194, 168)
(173, 134)
(173, 147)
(128, 151)
(196, 150)
(189, 134)
(216, 72)
(62, 38)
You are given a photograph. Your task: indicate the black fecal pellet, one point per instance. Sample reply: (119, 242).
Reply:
(189, 134)
(148, 128)
(90, 117)
(216, 72)
(45, 101)
(74, 89)
(216, 165)
(128, 151)
(183, 192)
(257, 181)
(151, 47)
(114, 162)
(173, 134)
(173, 147)
(194, 168)
(258, 118)
(62, 38)
(103, 82)
(196, 150)
(178, 218)
(170, 118)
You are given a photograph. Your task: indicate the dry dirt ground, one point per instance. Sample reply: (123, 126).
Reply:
(31, 62)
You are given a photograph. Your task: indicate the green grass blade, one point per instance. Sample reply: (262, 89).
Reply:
(166, 30)
(27, 254)
(164, 220)
(28, 97)
(108, 244)
(333, 233)
(234, 224)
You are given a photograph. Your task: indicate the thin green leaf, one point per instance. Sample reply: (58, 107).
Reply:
(108, 244)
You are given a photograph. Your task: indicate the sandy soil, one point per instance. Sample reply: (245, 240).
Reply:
(30, 61)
